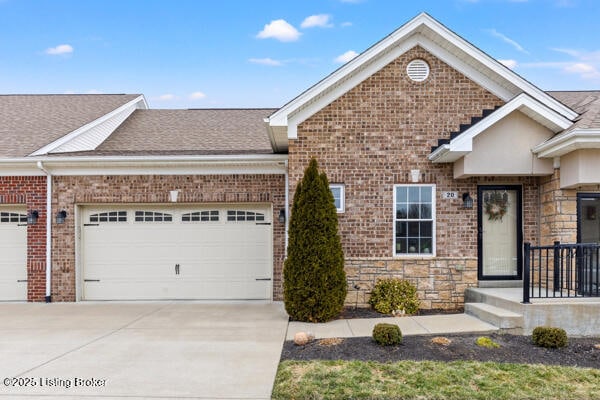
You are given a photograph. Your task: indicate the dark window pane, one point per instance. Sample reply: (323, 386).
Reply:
(426, 229)
(401, 246)
(426, 247)
(413, 229)
(425, 211)
(401, 211)
(401, 229)
(93, 218)
(413, 245)
(185, 217)
(260, 217)
(413, 211)
(168, 218)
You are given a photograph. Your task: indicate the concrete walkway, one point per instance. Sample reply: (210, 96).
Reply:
(420, 325)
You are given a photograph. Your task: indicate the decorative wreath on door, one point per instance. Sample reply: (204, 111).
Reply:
(496, 204)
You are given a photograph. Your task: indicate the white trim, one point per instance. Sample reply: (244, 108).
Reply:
(144, 165)
(569, 141)
(433, 219)
(463, 144)
(105, 125)
(342, 188)
(368, 63)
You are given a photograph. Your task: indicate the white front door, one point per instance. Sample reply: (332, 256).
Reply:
(13, 253)
(499, 232)
(168, 252)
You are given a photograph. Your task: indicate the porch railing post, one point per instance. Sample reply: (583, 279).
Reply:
(526, 273)
(556, 265)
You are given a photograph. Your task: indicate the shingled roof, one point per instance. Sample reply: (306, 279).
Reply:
(586, 103)
(28, 122)
(189, 132)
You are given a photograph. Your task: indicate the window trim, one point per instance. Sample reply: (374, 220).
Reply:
(433, 219)
(342, 188)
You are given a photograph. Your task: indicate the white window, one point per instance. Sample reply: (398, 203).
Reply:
(338, 196)
(109, 216)
(241, 215)
(151, 216)
(201, 216)
(414, 220)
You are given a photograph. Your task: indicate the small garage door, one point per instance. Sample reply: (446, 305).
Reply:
(13, 253)
(151, 253)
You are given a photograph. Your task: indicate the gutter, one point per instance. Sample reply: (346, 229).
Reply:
(287, 208)
(48, 231)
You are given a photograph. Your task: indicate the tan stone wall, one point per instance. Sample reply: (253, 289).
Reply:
(70, 191)
(440, 282)
(370, 139)
(558, 212)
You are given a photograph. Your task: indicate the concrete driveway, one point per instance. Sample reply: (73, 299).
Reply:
(140, 350)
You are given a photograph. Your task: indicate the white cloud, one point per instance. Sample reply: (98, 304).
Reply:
(508, 63)
(347, 56)
(60, 49)
(508, 40)
(266, 61)
(319, 20)
(166, 97)
(585, 71)
(197, 96)
(279, 29)
(346, 24)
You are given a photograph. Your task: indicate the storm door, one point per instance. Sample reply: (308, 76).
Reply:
(499, 232)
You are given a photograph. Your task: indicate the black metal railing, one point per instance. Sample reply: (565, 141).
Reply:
(561, 270)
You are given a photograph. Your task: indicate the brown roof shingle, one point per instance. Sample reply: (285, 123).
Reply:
(29, 122)
(586, 103)
(190, 132)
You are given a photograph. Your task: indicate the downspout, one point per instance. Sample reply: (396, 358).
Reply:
(48, 231)
(287, 207)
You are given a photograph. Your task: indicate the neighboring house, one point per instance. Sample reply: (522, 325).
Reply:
(442, 162)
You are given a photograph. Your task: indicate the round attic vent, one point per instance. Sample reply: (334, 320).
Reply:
(417, 70)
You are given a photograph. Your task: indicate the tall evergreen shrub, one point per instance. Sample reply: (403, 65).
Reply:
(314, 285)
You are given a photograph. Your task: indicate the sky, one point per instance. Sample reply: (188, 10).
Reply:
(263, 53)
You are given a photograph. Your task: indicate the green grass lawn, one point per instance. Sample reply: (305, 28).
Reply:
(433, 380)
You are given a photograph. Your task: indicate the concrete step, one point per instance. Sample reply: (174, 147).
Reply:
(507, 298)
(500, 317)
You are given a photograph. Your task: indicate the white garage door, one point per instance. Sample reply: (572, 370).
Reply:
(13, 253)
(168, 252)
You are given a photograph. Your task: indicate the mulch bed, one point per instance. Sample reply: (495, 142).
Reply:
(351, 312)
(580, 352)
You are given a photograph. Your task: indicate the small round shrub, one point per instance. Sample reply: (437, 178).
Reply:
(545, 336)
(484, 341)
(392, 294)
(387, 334)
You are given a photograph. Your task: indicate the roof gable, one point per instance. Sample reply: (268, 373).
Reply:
(422, 31)
(32, 121)
(92, 134)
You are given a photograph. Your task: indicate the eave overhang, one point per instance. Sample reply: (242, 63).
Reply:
(567, 142)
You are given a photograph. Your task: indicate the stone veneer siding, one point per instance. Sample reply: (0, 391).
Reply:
(70, 191)
(31, 192)
(558, 212)
(370, 139)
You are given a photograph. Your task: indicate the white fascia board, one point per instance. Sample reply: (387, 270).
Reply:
(553, 120)
(317, 92)
(121, 113)
(144, 165)
(568, 142)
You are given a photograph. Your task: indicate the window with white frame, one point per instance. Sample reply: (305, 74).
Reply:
(338, 196)
(414, 219)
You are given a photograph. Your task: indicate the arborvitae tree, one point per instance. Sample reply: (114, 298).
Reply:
(314, 285)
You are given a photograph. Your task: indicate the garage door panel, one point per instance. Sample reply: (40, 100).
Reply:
(13, 253)
(217, 258)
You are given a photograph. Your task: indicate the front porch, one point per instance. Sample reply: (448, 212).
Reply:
(504, 308)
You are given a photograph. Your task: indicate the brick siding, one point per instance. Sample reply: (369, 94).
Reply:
(30, 192)
(70, 191)
(370, 139)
